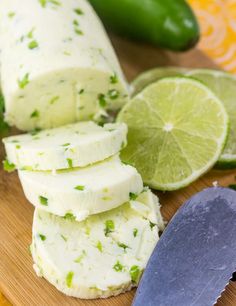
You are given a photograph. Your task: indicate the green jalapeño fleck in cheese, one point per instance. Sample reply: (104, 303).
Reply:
(35, 114)
(69, 216)
(118, 267)
(79, 187)
(109, 227)
(43, 201)
(30, 34)
(55, 2)
(135, 273)
(27, 168)
(54, 99)
(24, 81)
(102, 100)
(7, 166)
(152, 225)
(64, 237)
(81, 257)
(42, 237)
(99, 246)
(107, 198)
(11, 14)
(77, 27)
(113, 94)
(78, 31)
(69, 279)
(113, 79)
(135, 232)
(78, 11)
(123, 246)
(45, 2)
(66, 144)
(33, 44)
(70, 162)
(133, 196)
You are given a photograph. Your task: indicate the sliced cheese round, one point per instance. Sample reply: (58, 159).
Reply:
(74, 145)
(57, 64)
(83, 191)
(100, 257)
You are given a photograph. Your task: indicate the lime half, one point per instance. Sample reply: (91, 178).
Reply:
(153, 75)
(177, 131)
(224, 86)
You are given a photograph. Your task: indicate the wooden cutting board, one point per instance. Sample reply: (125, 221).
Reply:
(18, 282)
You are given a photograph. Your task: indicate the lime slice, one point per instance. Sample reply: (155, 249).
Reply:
(177, 131)
(224, 86)
(150, 76)
(221, 83)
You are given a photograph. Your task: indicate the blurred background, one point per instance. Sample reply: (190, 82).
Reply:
(217, 20)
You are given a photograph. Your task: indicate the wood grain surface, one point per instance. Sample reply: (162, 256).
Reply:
(18, 282)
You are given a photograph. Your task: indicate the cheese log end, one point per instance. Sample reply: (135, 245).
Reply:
(57, 64)
(105, 255)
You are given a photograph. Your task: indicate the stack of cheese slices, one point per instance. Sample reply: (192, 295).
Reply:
(94, 226)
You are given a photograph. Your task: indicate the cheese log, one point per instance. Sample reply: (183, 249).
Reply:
(75, 145)
(84, 191)
(100, 257)
(57, 64)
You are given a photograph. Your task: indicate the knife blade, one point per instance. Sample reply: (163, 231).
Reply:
(195, 256)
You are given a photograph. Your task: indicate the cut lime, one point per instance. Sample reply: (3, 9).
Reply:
(150, 76)
(221, 83)
(224, 86)
(177, 131)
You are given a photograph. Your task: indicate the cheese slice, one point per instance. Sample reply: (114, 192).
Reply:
(75, 145)
(83, 191)
(57, 64)
(100, 257)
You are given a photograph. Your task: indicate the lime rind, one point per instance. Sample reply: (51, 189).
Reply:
(227, 159)
(154, 181)
(226, 164)
(215, 72)
(150, 76)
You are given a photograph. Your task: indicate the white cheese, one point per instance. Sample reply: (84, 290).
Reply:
(57, 64)
(100, 257)
(77, 145)
(82, 191)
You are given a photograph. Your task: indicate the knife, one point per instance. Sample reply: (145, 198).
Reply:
(195, 256)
